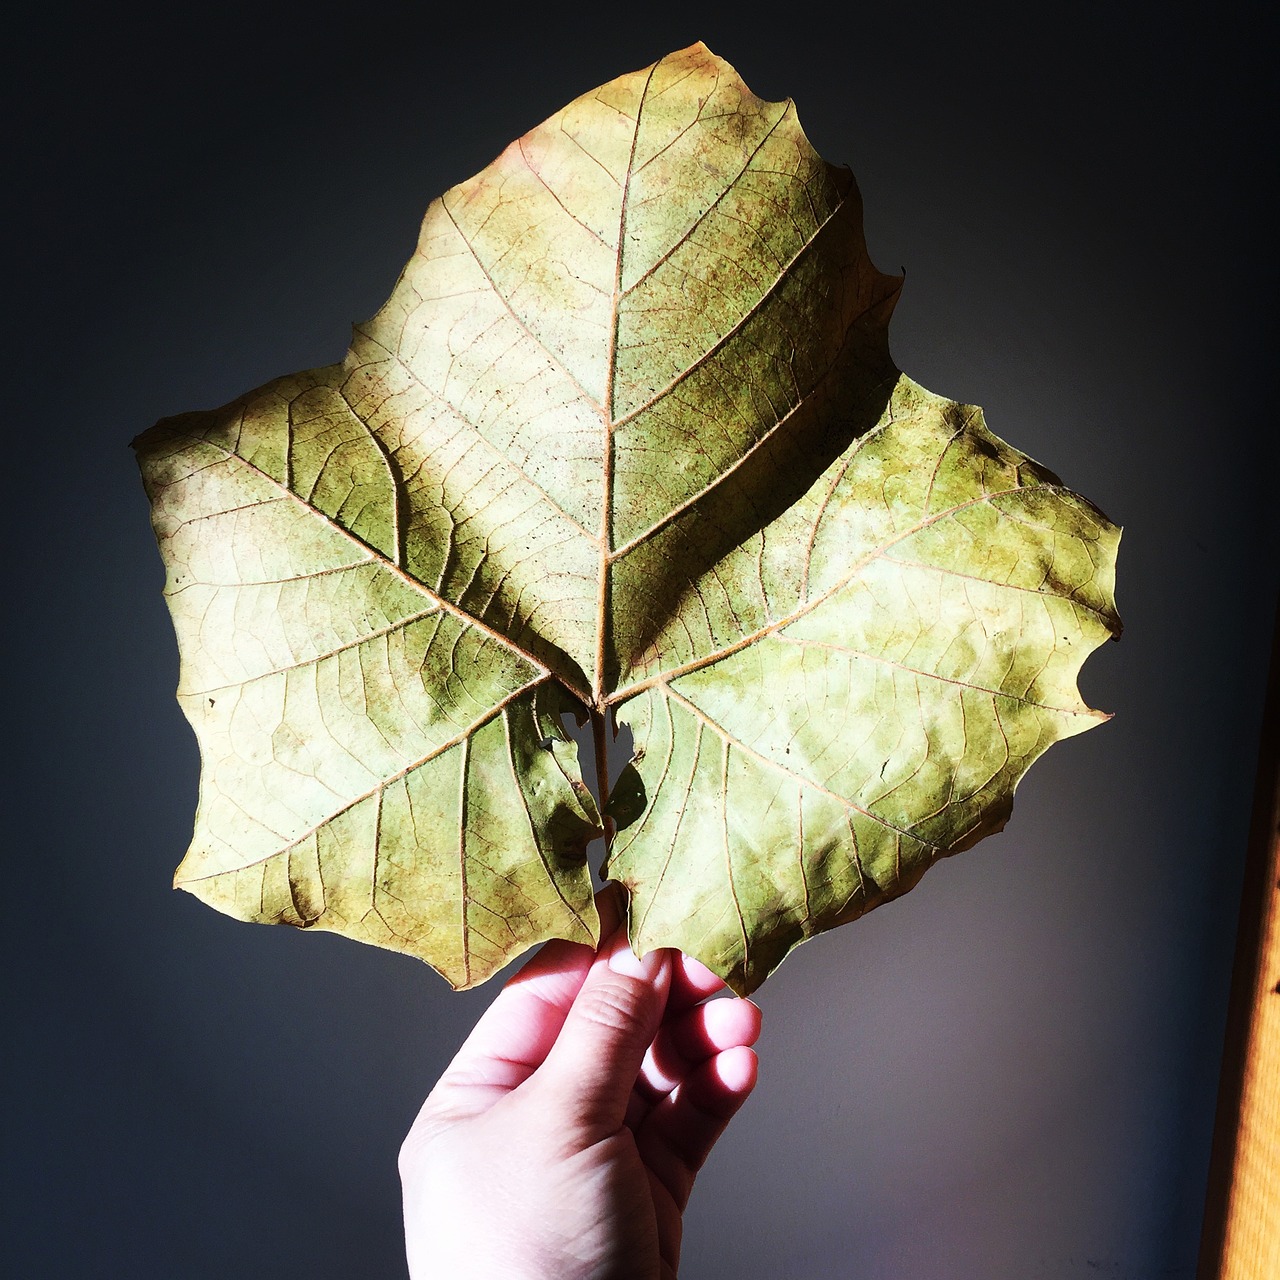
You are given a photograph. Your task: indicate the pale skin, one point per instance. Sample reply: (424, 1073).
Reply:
(563, 1140)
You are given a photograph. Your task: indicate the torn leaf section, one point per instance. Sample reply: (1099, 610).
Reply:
(893, 685)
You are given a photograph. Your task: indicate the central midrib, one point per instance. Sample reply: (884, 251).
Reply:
(601, 697)
(608, 423)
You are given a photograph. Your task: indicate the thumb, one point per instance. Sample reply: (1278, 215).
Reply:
(592, 1067)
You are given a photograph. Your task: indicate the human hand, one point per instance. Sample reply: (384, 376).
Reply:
(563, 1140)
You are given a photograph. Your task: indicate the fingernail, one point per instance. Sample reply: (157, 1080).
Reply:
(625, 961)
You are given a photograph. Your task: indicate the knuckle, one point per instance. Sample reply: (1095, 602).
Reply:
(616, 1005)
(408, 1158)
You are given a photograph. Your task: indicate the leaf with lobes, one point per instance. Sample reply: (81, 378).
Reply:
(626, 441)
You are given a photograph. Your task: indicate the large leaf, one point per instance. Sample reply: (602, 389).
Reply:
(625, 440)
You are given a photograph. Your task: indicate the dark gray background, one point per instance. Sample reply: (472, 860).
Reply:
(1009, 1073)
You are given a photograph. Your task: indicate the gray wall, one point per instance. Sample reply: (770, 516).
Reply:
(1009, 1073)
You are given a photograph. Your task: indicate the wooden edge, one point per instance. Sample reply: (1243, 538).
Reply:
(1241, 1235)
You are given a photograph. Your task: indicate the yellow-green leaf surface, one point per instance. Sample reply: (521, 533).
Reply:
(627, 441)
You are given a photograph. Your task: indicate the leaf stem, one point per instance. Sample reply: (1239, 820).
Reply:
(599, 740)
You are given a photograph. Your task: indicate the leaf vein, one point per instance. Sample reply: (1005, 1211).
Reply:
(721, 342)
(511, 311)
(446, 604)
(368, 638)
(704, 719)
(728, 187)
(697, 664)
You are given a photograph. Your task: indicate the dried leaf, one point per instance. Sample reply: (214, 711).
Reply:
(626, 439)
